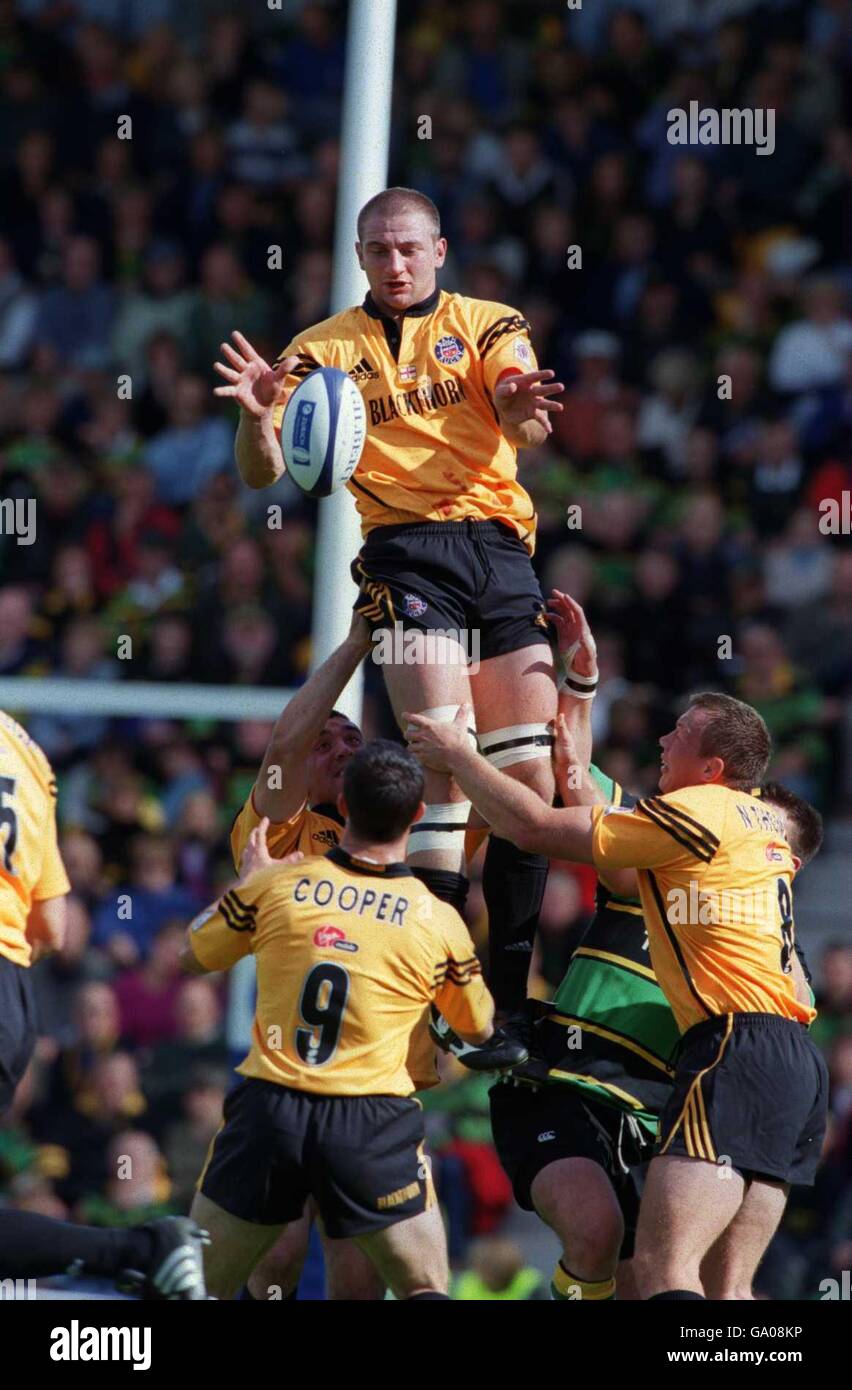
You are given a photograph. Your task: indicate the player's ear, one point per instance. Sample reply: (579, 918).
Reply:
(419, 813)
(797, 863)
(714, 769)
(360, 254)
(440, 251)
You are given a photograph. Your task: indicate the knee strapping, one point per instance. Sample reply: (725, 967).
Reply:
(519, 743)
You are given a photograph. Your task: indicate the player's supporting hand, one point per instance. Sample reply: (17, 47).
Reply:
(526, 396)
(256, 853)
(435, 744)
(573, 634)
(252, 383)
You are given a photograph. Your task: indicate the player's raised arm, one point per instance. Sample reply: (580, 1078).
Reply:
(282, 783)
(511, 809)
(579, 680)
(257, 388)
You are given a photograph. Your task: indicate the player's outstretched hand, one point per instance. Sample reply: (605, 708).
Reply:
(256, 853)
(526, 396)
(573, 634)
(252, 383)
(436, 744)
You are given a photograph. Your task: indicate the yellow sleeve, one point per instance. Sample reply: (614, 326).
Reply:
(281, 838)
(224, 933)
(311, 354)
(460, 992)
(657, 831)
(53, 880)
(503, 342)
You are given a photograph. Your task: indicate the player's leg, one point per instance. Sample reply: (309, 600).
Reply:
(685, 1208)
(253, 1183)
(350, 1275)
(576, 1199)
(436, 846)
(515, 700)
(235, 1246)
(411, 1256)
(729, 1267)
(280, 1269)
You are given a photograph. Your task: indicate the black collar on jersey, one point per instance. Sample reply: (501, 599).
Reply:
(393, 330)
(330, 811)
(361, 866)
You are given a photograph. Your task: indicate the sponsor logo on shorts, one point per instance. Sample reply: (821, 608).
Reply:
(414, 606)
(396, 1199)
(449, 350)
(545, 1135)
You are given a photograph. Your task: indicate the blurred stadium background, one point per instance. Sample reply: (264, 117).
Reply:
(700, 516)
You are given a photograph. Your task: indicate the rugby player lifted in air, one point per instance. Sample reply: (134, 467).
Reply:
(452, 391)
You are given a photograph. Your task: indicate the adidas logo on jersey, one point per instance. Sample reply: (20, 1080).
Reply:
(363, 371)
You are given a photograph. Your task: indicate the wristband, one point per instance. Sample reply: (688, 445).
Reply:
(581, 687)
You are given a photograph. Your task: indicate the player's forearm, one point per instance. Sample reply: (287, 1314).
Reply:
(527, 435)
(302, 719)
(517, 813)
(578, 715)
(257, 450)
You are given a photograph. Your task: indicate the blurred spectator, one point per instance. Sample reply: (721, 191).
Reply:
(187, 1140)
(811, 353)
(191, 448)
(18, 313)
(164, 304)
(147, 995)
(199, 1043)
(834, 994)
(130, 919)
(497, 1270)
(75, 319)
(136, 1187)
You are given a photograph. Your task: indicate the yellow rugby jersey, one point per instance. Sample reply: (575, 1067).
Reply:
(31, 867)
(349, 957)
(434, 449)
(313, 831)
(715, 874)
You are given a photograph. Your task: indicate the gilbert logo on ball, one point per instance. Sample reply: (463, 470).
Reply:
(323, 431)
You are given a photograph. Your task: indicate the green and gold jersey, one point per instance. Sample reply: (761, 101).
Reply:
(434, 449)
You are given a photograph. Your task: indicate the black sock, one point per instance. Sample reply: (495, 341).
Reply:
(412, 1298)
(513, 884)
(679, 1295)
(34, 1246)
(450, 888)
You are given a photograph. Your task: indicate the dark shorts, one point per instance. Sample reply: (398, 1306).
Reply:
(534, 1127)
(18, 1030)
(360, 1157)
(750, 1092)
(470, 577)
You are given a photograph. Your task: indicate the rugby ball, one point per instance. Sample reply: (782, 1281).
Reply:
(323, 431)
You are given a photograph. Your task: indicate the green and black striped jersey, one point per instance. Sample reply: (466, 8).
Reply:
(611, 1031)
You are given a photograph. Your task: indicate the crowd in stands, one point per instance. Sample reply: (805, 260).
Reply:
(154, 158)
